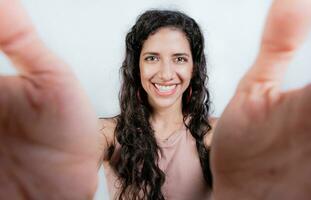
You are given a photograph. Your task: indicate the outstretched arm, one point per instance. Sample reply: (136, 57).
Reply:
(49, 142)
(261, 146)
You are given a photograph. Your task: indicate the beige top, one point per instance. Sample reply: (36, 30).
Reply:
(180, 162)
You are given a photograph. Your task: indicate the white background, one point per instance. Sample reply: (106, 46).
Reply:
(90, 34)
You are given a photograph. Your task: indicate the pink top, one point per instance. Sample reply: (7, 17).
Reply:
(180, 162)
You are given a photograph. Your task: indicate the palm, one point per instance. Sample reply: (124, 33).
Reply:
(261, 144)
(48, 134)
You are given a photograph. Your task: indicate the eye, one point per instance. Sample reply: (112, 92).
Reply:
(151, 58)
(181, 60)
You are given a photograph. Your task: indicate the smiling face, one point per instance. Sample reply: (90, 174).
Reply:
(166, 67)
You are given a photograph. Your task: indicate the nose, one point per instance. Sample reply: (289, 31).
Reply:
(167, 71)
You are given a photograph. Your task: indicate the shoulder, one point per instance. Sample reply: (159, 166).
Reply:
(209, 136)
(213, 121)
(106, 128)
(107, 124)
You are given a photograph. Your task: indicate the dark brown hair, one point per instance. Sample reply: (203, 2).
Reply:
(137, 166)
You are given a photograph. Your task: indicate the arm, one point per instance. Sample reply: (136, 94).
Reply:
(209, 136)
(107, 136)
(261, 145)
(48, 138)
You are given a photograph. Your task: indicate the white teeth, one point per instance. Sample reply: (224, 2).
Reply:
(164, 88)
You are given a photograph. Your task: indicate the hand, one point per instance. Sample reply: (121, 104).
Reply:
(261, 146)
(48, 135)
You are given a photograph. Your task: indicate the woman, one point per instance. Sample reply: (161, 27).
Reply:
(49, 144)
(158, 147)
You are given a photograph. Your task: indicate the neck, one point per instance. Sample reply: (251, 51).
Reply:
(166, 120)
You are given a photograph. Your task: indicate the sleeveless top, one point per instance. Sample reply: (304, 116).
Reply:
(180, 162)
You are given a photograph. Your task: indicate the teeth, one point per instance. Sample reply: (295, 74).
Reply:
(164, 88)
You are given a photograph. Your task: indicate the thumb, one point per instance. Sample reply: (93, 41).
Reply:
(287, 26)
(20, 41)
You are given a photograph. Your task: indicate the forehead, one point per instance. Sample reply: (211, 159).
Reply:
(167, 40)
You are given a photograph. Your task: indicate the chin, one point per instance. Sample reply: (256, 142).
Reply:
(163, 103)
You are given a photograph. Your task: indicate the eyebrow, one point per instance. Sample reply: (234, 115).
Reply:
(151, 53)
(176, 54)
(181, 54)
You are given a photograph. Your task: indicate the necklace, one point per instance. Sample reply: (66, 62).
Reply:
(172, 133)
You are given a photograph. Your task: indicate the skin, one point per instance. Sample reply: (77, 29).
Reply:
(261, 146)
(49, 140)
(49, 144)
(166, 60)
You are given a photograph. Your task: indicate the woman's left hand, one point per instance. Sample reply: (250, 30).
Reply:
(261, 146)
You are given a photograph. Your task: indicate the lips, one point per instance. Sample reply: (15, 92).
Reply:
(165, 90)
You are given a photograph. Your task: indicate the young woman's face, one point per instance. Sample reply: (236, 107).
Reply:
(166, 67)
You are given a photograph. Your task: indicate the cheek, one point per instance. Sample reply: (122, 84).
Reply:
(143, 78)
(144, 74)
(147, 72)
(185, 74)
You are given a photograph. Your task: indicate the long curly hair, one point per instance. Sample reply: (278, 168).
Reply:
(137, 166)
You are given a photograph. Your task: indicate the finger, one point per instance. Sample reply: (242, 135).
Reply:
(20, 42)
(287, 26)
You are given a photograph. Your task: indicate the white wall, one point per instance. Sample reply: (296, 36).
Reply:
(89, 35)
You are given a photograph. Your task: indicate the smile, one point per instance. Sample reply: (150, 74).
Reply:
(165, 90)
